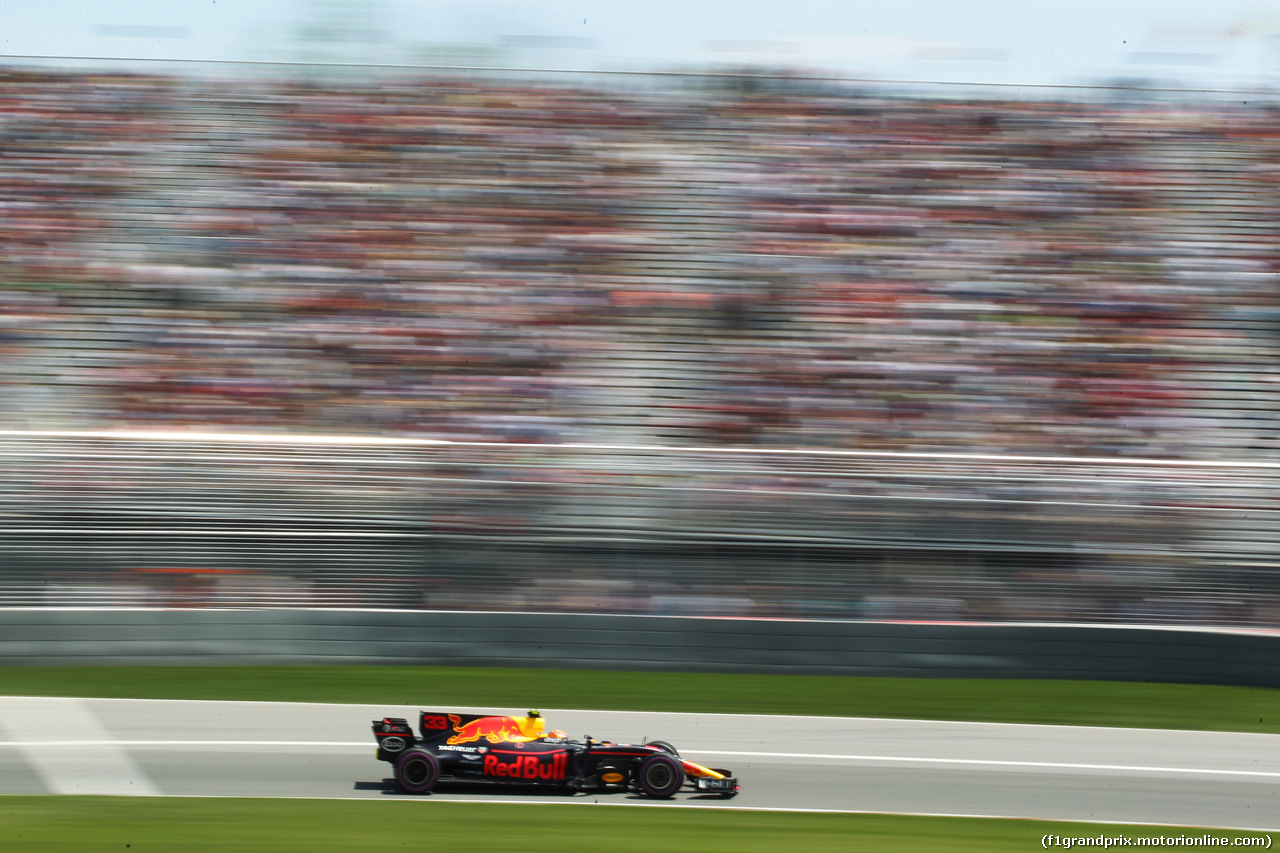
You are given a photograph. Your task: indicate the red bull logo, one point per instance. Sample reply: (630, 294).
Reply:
(494, 729)
(529, 767)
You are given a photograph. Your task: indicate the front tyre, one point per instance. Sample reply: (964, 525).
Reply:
(660, 777)
(417, 771)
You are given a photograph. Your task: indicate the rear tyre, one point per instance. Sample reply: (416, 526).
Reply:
(660, 776)
(417, 771)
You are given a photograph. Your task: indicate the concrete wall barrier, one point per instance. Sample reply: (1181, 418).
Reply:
(312, 636)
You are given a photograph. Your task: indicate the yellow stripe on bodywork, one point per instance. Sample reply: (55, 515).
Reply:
(698, 770)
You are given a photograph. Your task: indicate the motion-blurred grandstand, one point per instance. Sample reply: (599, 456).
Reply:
(770, 349)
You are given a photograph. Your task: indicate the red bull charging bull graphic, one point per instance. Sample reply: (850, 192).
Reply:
(492, 729)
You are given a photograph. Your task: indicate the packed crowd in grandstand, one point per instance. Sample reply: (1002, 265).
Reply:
(530, 262)
(772, 266)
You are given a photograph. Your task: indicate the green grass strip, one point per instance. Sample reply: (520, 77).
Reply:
(1084, 703)
(139, 825)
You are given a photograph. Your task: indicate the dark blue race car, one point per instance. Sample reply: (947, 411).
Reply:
(515, 750)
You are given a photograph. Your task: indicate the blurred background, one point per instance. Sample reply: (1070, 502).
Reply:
(841, 313)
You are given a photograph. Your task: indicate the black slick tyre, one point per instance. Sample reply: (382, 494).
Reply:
(660, 776)
(417, 771)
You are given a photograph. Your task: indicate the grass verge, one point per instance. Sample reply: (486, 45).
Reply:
(89, 824)
(1085, 703)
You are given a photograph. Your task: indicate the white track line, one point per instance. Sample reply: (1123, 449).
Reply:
(670, 804)
(984, 762)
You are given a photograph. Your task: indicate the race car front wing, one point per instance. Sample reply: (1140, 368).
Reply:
(724, 785)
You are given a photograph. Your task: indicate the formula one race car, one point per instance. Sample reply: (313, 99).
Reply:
(514, 750)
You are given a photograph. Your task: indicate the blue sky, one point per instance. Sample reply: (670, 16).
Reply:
(1188, 42)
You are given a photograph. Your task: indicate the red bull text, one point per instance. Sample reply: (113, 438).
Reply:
(531, 767)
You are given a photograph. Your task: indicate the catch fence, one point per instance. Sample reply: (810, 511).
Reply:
(184, 519)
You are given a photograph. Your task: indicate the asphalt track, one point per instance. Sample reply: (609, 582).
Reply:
(248, 749)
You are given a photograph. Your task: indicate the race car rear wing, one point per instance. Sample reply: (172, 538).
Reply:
(394, 736)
